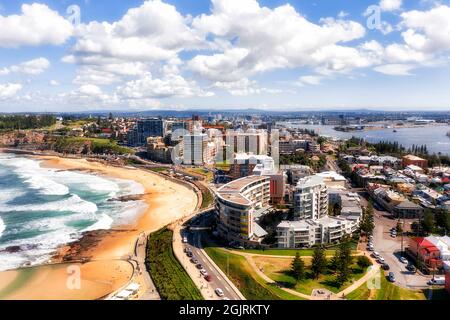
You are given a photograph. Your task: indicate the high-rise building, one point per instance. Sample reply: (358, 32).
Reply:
(238, 204)
(251, 142)
(195, 149)
(310, 198)
(144, 129)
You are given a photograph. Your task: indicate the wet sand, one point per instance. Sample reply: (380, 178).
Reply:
(167, 202)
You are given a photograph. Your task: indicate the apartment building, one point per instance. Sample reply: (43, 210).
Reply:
(244, 164)
(312, 225)
(310, 198)
(307, 233)
(250, 142)
(145, 128)
(237, 205)
(195, 149)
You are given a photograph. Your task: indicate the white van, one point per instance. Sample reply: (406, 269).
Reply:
(440, 281)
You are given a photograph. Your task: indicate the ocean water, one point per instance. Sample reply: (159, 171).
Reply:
(42, 209)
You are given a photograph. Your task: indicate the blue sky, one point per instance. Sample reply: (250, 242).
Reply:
(215, 54)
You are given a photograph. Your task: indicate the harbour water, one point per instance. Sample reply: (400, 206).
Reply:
(42, 208)
(434, 137)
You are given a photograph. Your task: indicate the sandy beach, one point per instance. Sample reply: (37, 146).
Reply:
(167, 202)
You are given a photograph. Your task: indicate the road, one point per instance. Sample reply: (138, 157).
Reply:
(218, 281)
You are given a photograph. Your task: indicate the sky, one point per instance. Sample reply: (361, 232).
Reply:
(84, 55)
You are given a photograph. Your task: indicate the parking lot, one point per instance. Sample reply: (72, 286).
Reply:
(390, 249)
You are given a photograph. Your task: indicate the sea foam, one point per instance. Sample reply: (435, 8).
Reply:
(72, 204)
(2, 227)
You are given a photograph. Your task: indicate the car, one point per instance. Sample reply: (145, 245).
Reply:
(391, 277)
(208, 278)
(185, 240)
(404, 260)
(375, 254)
(386, 267)
(371, 249)
(199, 266)
(186, 250)
(204, 272)
(194, 261)
(411, 268)
(190, 254)
(219, 292)
(381, 260)
(437, 281)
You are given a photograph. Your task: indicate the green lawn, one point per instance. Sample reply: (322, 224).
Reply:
(387, 291)
(287, 252)
(306, 286)
(171, 280)
(242, 275)
(291, 252)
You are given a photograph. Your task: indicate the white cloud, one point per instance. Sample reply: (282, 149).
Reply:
(54, 83)
(428, 31)
(32, 67)
(244, 87)
(311, 80)
(395, 69)
(256, 39)
(9, 90)
(154, 31)
(36, 25)
(169, 86)
(390, 5)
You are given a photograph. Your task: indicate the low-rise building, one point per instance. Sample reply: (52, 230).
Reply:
(307, 233)
(407, 209)
(414, 160)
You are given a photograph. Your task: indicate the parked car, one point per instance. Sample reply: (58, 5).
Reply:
(391, 277)
(186, 250)
(208, 278)
(204, 272)
(194, 261)
(185, 240)
(411, 268)
(440, 281)
(199, 266)
(404, 260)
(375, 254)
(190, 254)
(386, 267)
(381, 260)
(219, 292)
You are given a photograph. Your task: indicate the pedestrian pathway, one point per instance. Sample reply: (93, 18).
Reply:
(330, 296)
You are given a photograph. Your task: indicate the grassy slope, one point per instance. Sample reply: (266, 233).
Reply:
(251, 286)
(325, 281)
(171, 280)
(387, 291)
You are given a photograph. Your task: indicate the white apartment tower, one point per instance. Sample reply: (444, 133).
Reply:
(311, 199)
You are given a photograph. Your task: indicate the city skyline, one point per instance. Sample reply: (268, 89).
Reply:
(65, 56)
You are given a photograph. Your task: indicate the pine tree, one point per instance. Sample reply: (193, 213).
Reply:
(298, 268)
(344, 261)
(319, 262)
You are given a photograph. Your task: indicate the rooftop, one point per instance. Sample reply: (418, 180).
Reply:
(413, 158)
(232, 191)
